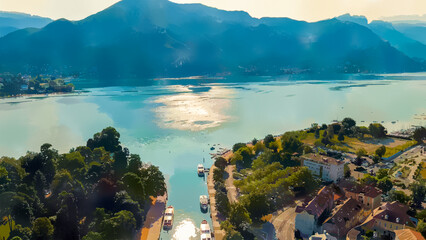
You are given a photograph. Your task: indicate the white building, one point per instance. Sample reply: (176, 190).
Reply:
(327, 168)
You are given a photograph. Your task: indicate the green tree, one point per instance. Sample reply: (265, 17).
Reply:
(361, 152)
(368, 179)
(233, 235)
(93, 236)
(254, 141)
(398, 196)
(218, 175)
(239, 216)
(109, 138)
(40, 184)
(153, 180)
(133, 185)
(121, 226)
(307, 149)
(22, 212)
(341, 136)
(220, 163)
(237, 146)
(348, 123)
(259, 147)
(257, 205)
(382, 173)
(377, 130)
(418, 190)
(385, 184)
(222, 203)
(3, 176)
(317, 133)
(291, 144)
(20, 232)
(73, 162)
(421, 228)
(42, 228)
(135, 163)
(268, 139)
(274, 146)
(419, 134)
(381, 151)
(347, 171)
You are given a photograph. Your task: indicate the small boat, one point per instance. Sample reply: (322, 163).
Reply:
(168, 217)
(393, 122)
(212, 148)
(205, 230)
(200, 169)
(204, 203)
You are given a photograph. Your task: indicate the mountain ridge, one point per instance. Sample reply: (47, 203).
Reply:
(159, 38)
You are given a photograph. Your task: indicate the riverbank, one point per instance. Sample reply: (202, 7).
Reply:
(219, 234)
(39, 95)
(151, 229)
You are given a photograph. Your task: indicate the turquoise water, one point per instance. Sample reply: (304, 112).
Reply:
(173, 124)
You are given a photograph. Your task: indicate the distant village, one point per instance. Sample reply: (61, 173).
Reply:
(16, 85)
(369, 185)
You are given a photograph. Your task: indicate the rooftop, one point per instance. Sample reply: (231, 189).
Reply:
(344, 212)
(367, 190)
(322, 159)
(408, 234)
(394, 212)
(320, 202)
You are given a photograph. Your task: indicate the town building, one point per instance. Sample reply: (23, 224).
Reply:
(384, 221)
(343, 218)
(326, 168)
(309, 215)
(369, 196)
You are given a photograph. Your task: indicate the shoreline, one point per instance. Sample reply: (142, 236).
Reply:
(34, 95)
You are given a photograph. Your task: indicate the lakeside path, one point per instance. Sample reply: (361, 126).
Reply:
(154, 219)
(219, 234)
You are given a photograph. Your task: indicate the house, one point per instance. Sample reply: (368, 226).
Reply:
(323, 236)
(385, 220)
(326, 168)
(343, 218)
(311, 213)
(369, 196)
(408, 234)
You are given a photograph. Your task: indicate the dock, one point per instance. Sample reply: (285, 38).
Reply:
(151, 229)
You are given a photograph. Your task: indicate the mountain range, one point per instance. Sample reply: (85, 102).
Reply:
(156, 38)
(12, 21)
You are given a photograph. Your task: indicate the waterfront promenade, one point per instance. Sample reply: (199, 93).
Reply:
(151, 229)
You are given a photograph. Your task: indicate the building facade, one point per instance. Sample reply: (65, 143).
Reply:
(326, 168)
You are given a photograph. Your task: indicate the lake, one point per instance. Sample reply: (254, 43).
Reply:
(173, 123)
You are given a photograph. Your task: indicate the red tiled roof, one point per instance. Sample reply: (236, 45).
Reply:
(408, 234)
(344, 213)
(367, 190)
(320, 202)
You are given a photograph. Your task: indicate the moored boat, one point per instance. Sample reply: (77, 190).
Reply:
(168, 217)
(205, 230)
(200, 169)
(204, 203)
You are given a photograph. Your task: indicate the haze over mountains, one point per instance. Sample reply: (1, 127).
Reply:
(11, 21)
(154, 38)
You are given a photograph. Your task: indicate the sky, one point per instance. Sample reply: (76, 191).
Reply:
(309, 10)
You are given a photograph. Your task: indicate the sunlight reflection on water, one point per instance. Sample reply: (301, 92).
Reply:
(185, 230)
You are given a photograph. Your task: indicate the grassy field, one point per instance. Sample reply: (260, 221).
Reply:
(393, 145)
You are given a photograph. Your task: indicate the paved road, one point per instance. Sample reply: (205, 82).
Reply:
(284, 224)
(152, 226)
(229, 183)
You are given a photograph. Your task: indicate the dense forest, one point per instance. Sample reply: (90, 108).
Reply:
(97, 191)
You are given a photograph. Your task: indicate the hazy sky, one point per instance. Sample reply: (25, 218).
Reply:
(310, 10)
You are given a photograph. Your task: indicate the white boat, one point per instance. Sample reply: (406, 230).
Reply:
(200, 169)
(205, 231)
(204, 203)
(168, 217)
